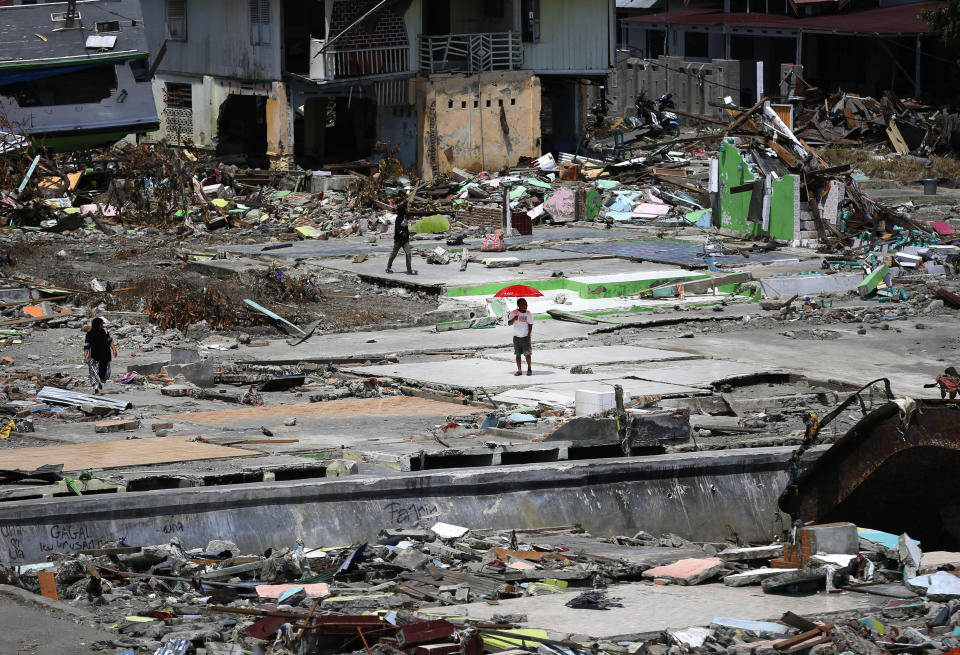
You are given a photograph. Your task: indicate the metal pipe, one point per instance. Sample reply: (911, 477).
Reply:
(349, 27)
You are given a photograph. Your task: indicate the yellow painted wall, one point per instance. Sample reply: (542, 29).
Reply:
(279, 128)
(477, 122)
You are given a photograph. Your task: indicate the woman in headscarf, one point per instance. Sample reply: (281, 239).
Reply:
(97, 348)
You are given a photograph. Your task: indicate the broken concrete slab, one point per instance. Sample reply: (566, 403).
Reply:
(939, 586)
(809, 285)
(486, 373)
(564, 394)
(753, 553)
(686, 571)
(184, 355)
(753, 577)
(200, 373)
(595, 355)
(695, 373)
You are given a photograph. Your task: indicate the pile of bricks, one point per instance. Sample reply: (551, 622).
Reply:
(489, 218)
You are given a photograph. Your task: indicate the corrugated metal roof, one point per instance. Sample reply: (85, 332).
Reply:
(57, 396)
(901, 19)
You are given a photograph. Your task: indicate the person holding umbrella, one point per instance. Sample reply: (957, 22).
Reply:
(522, 321)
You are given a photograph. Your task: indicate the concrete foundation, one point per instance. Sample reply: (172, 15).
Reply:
(704, 496)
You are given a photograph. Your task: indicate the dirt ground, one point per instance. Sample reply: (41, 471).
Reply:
(152, 277)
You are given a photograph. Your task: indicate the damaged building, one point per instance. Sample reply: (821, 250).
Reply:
(872, 47)
(450, 84)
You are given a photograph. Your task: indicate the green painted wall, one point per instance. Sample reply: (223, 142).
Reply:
(734, 206)
(597, 290)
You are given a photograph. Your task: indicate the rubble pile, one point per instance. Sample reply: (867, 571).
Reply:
(407, 592)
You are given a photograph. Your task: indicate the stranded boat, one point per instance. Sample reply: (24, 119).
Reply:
(75, 74)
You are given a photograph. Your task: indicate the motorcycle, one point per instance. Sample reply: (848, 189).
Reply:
(656, 115)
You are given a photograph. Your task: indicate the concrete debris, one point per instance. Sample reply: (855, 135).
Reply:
(301, 450)
(392, 591)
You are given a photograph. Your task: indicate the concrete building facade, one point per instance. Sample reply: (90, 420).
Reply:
(327, 81)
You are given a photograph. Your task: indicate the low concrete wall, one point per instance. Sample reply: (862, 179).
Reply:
(693, 83)
(703, 496)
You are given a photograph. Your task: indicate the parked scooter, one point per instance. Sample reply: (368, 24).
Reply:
(656, 115)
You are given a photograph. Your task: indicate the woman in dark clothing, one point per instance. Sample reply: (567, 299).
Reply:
(97, 348)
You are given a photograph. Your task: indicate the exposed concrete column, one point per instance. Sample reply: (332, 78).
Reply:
(280, 127)
(798, 56)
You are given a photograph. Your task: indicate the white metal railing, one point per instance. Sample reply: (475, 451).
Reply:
(336, 64)
(471, 53)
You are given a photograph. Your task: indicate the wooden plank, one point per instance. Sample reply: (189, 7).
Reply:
(784, 153)
(807, 645)
(896, 139)
(108, 454)
(48, 585)
(742, 118)
(848, 116)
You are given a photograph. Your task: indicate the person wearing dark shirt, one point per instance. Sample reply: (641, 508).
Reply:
(97, 349)
(401, 239)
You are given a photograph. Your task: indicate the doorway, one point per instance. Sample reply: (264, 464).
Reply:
(242, 129)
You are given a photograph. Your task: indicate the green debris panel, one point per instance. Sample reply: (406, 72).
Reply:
(872, 281)
(594, 203)
(734, 171)
(431, 225)
(612, 289)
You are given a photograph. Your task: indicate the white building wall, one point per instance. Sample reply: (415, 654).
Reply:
(575, 35)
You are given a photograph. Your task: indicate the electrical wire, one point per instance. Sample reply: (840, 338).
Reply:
(654, 62)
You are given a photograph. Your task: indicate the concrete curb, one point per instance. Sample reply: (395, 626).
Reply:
(678, 492)
(19, 595)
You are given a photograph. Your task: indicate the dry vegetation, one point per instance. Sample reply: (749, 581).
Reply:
(883, 165)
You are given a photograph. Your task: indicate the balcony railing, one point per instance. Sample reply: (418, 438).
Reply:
(337, 64)
(471, 53)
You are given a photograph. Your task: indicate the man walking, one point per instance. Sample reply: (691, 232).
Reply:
(522, 321)
(401, 239)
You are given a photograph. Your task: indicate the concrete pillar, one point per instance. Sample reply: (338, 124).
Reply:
(279, 127)
(716, 44)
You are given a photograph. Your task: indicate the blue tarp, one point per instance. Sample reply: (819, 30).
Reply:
(14, 76)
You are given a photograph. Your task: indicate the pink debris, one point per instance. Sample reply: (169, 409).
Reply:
(276, 590)
(687, 571)
(942, 227)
